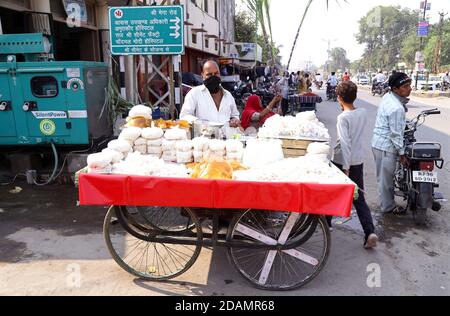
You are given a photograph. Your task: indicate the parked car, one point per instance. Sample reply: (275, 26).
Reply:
(361, 79)
(433, 83)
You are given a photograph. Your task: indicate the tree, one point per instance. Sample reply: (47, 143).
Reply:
(383, 30)
(430, 46)
(245, 27)
(261, 9)
(246, 32)
(339, 59)
(305, 13)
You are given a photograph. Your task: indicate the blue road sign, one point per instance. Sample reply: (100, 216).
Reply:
(151, 30)
(422, 29)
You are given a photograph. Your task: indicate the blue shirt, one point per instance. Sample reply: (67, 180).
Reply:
(390, 125)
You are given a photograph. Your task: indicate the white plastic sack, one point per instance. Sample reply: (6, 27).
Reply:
(120, 146)
(152, 133)
(141, 111)
(99, 160)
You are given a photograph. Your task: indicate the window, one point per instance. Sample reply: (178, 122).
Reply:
(206, 42)
(217, 46)
(205, 6)
(194, 38)
(216, 9)
(44, 87)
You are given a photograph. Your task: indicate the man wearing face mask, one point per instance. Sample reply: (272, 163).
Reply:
(210, 102)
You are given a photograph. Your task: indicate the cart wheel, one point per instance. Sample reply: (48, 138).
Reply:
(150, 260)
(279, 269)
(170, 219)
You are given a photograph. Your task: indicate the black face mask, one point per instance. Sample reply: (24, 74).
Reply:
(213, 84)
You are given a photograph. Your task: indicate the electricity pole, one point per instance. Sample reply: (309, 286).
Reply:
(421, 40)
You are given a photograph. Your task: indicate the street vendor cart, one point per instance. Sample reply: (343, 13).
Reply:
(277, 237)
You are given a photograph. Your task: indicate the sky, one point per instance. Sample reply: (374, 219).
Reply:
(339, 25)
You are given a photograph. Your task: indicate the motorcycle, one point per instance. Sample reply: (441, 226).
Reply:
(331, 93)
(445, 86)
(416, 182)
(381, 88)
(240, 92)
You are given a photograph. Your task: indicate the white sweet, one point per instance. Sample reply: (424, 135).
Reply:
(154, 150)
(262, 152)
(318, 149)
(155, 156)
(140, 142)
(235, 156)
(234, 145)
(217, 145)
(175, 134)
(184, 146)
(152, 133)
(184, 157)
(99, 160)
(298, 170)
(120, 146)
(305, 125)
(141, 111)
(307, 116)
(172, 171)
(104, 170)
(168, 145)
(201, 144)
(198, 156)
(217, 154)
(131, 142)
(131, 133)
(169, 156)
(116, 156)
(155, 142)
(141, 149)
(137, 164)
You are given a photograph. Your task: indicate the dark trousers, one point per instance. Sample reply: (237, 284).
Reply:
(363, 210)
(285, 106)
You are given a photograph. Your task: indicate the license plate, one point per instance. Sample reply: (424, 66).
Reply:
(425, 176)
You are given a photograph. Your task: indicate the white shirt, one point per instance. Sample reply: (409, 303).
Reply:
(319, 78)
(446, 78)
(380, 78)
(333, 81)
(200, 103)
(284, 85)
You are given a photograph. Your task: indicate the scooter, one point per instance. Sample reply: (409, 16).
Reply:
(417, 181)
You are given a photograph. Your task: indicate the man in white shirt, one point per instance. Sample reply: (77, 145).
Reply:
(380, 77)
(210, 102)
(446, 78)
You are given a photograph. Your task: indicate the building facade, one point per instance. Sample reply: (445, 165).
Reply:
(209, 27)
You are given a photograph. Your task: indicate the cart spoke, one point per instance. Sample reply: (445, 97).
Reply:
(302, 256)
(247, 231)
(267, 267)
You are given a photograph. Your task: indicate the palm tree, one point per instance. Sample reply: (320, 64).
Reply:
(308, 5)
(261, 9)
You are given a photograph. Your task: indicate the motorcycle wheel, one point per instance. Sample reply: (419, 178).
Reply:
(420, 215)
